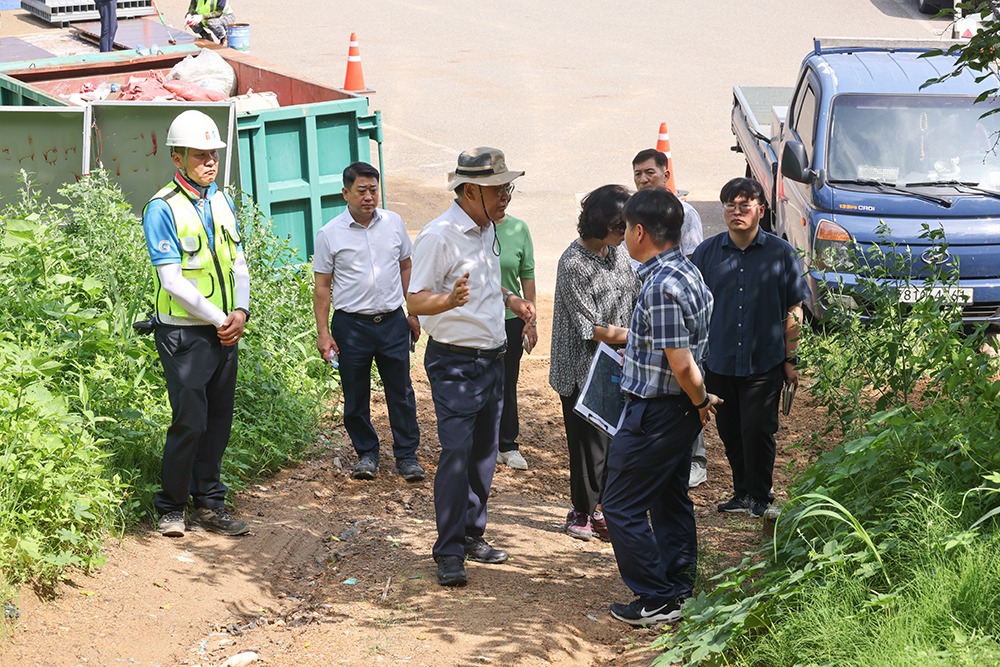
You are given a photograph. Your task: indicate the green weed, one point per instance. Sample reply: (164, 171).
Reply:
(83, 406)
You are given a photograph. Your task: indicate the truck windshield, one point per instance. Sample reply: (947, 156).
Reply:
(926, 139)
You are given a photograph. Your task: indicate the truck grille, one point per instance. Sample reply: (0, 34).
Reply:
(982, 310)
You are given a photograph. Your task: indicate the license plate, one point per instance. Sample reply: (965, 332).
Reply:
(913, 294)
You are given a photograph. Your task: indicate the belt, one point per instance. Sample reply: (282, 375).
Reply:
(661, 397)
(494, 354)
(370, 318)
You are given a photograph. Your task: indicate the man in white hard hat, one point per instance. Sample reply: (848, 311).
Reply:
(201, 294)
(456, 290)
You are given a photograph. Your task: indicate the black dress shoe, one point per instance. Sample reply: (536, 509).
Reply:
(476, 549)
(451, 570)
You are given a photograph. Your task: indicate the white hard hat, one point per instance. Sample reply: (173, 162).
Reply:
(194, 129)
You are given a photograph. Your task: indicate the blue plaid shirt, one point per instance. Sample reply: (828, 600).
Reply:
(673, 311)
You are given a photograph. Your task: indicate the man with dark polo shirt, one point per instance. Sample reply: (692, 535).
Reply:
(362, 267)
(646, 504)
(758, 287)
(455, 289)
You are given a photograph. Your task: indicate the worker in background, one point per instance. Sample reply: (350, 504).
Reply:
(201, 292)
(362, 267)
(455, 287)
(210, 17)
(651, 170)
(108, 11)
(517, 273)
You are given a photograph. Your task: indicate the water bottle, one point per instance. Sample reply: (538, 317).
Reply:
(333, 359)
(154, 49)
(141, 50)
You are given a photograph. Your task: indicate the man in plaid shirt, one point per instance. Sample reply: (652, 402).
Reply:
(650, 457)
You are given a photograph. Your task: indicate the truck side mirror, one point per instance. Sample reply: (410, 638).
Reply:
(795, 163)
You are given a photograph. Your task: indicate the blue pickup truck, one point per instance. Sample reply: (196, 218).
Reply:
(858, 140)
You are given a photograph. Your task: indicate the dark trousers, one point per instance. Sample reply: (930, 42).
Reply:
(468, 398)
(509, 425)
(747, 422)
(387, 343)
(108, 11)
(201, 383)
(648, 467)
(588, 457)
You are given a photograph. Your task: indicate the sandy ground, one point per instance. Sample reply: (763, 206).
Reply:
(338, 571)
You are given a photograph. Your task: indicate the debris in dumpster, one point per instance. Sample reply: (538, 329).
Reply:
(145, 89)
(191, 92)
(252, 101)
(207, 69)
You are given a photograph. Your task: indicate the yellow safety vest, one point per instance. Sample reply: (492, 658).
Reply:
(208, 7)
(210, 269)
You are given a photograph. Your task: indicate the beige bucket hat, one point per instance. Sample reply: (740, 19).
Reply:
(482, 166)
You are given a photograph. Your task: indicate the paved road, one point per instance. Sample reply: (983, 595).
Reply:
(570, 91)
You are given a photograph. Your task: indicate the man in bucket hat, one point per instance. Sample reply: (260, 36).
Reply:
(455, 289)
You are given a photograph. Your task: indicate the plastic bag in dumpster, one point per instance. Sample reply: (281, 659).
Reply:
(183, 90)
(207, 69)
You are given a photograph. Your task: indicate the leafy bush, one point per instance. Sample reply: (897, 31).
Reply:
(887, 553)
(82, 397)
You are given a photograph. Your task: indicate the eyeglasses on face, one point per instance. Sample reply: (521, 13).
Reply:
(744, 207)
(505, 190)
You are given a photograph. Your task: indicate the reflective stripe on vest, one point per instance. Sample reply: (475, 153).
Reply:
(209, 270)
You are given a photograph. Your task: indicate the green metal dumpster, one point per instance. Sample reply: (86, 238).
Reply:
(290, 159)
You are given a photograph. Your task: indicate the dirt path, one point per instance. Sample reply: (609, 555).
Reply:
(338, 571)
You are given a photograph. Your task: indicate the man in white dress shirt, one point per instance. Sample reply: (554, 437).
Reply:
(455, 288)
(362, 266)
(651, 171)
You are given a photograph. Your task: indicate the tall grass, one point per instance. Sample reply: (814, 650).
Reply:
(83, 405)
(888, 552)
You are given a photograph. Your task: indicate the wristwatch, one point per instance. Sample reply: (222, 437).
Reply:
(793, 360)
(245, 312)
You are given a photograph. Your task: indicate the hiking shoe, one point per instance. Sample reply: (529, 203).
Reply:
(476, 549)
(217, 521)
(512, 459)
(408, 469)
(599, 525)
(578, 525)
(762, 509)
(366, 467)
(451, 570)
(642, 611)
(699, 475)
(736, 505)
(171, 524)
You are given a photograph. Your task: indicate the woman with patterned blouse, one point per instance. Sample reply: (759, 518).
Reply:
(596, 291)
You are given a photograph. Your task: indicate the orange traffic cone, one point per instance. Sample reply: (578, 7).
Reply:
(354, 81)
(663, 145)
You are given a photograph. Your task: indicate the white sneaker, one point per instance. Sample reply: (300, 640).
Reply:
(698, 475)
(512, 459)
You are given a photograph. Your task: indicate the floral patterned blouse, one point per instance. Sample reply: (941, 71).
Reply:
(590, 290)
